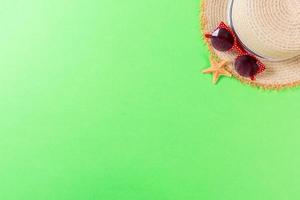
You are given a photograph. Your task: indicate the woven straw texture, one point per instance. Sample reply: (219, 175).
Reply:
(268, 35)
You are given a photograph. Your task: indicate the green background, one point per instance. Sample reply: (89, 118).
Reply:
(104, 99)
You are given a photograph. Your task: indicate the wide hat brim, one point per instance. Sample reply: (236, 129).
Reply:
(278, 74)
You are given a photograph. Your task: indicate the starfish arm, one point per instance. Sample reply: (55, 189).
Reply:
(224, 72)
(216, 77)
(208, 70)
(221, 64)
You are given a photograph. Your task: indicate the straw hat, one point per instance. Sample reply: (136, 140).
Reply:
(269, 29)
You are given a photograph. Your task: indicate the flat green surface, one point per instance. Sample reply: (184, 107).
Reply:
(104, 99)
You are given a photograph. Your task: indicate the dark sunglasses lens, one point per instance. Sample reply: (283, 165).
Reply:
(222, 39)
(246, 66)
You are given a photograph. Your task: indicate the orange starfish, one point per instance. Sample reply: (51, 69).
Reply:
(217, 69)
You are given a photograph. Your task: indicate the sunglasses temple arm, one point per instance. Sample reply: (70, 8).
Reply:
(208, 35)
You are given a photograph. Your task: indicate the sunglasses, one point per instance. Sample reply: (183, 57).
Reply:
(223, 39)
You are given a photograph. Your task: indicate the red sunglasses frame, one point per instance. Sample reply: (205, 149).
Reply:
(238, 48)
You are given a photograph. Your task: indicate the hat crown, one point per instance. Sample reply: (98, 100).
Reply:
(270, 28)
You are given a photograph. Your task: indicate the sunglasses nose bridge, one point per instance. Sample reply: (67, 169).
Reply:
(239, 49)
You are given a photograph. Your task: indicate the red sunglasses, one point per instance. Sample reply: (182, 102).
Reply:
(223, 39)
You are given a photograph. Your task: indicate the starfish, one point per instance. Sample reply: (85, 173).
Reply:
(217, 69)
